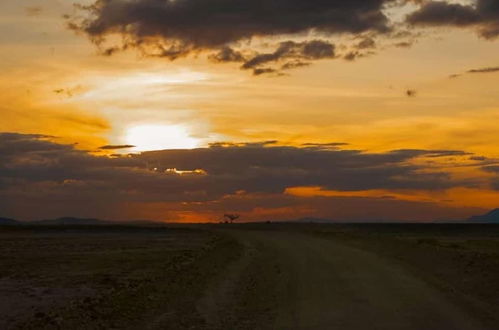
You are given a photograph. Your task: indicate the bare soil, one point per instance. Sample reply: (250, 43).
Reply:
(259, 276)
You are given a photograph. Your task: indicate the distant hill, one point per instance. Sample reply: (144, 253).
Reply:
(7, 221)
(71, 221)
(68, 221)
(491, 217)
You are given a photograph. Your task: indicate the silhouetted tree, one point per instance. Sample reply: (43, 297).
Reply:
(231, 217)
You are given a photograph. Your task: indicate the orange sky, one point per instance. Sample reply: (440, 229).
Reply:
(54, 82)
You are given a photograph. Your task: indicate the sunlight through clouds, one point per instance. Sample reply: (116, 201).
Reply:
(160, 137)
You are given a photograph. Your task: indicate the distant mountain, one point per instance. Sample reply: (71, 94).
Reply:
(491, 217)
(6, 221)
(68, 221)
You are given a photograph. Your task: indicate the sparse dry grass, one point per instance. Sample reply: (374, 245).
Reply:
(104, 278)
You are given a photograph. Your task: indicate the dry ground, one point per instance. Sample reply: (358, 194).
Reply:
(107, 277)
(263, 276)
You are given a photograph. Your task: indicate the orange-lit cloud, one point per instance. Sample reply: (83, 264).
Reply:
(259, 180)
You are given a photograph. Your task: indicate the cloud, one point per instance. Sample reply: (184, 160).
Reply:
(485, 70)
(493, 169)
(173, 29)
(411, 92)
(354, 55)
(366, 43)
(443, 13)
(216, 23)
(243, 31)
(294, 65)
(483, 15)
(293, 53)
(474, 71)
(36, 170)
(330, 145)
(404, 44)
(69, 92)
(227, 168)
(33, 11)
(288, 55)
(227, 54)
(116, 147)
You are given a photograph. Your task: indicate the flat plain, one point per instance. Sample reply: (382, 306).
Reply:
(250, 276)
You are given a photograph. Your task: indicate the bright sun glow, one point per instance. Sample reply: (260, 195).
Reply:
(159, 137)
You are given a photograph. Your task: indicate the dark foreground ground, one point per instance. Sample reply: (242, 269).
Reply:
(262, 276)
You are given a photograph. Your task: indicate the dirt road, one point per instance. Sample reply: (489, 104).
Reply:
(325, 284)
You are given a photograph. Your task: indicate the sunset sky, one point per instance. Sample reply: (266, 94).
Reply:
(183, 110)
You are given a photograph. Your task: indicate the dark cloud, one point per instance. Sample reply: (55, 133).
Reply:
(493, 169)
(356, 54)
(444, 13)
(292, 52)
(315, 49)
(482, 15)
(261, 71)
(351, 56)
(172, 29)
(485, 70)
(411, 92)
(294, 65)
(116, 147)
(227, 54)
(333, 145)
(474, 71)
(404, 44)
(37, 170)
(215, 23)
(366, 43)
(257, 167)
(288, 55)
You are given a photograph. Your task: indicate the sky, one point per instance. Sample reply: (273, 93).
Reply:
(183, 110)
